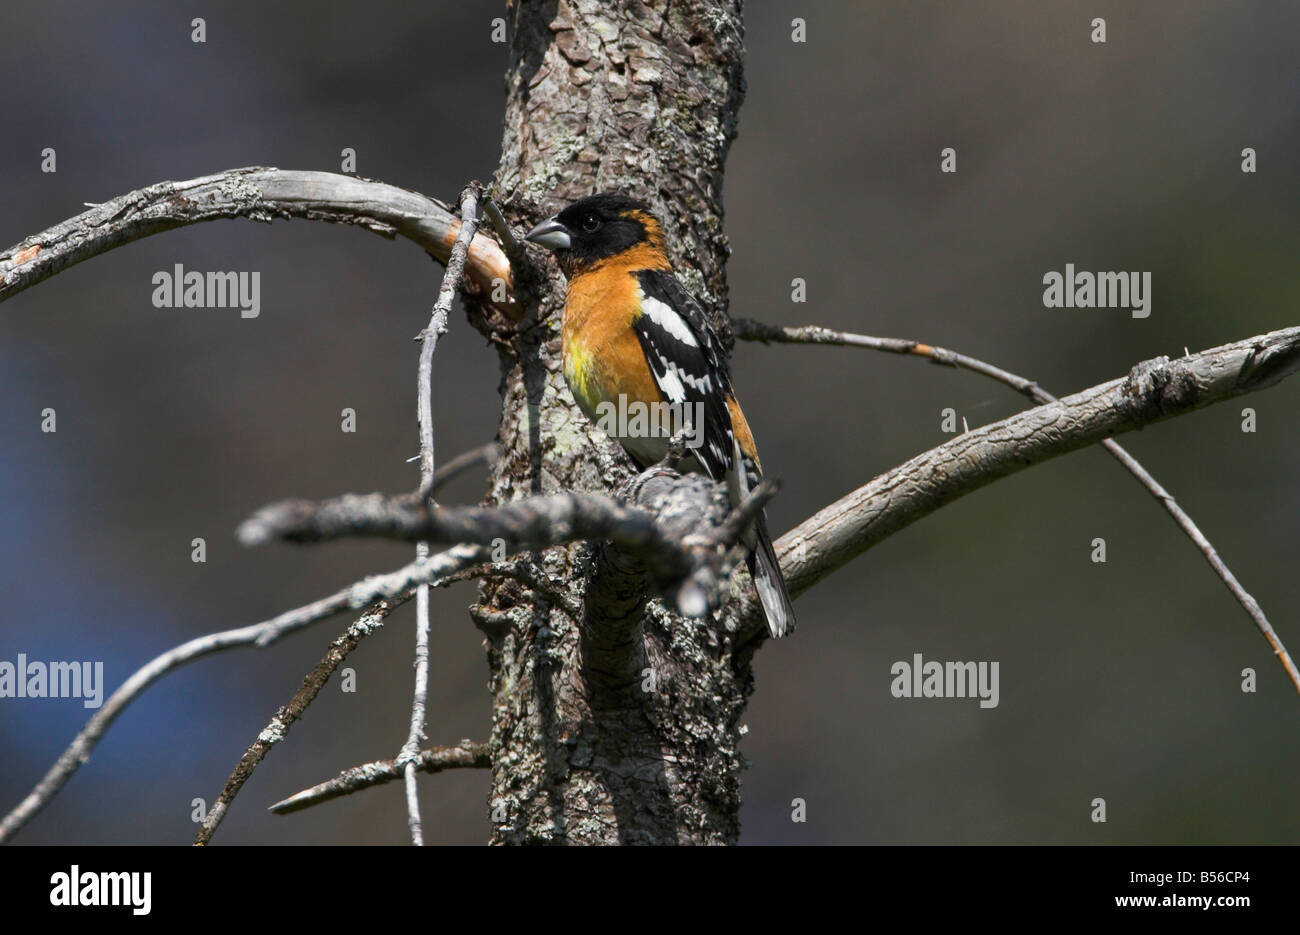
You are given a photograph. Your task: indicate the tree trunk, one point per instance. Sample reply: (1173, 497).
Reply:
(621, 727)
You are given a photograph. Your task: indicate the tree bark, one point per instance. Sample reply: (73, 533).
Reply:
(622, 726)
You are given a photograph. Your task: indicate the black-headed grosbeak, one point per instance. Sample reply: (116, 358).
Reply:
(634, 337)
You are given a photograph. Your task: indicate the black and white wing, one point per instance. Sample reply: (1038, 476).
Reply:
(687, 361)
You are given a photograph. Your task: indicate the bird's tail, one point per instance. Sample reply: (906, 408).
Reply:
(768, 581)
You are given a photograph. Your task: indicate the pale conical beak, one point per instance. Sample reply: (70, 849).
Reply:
(551, 234)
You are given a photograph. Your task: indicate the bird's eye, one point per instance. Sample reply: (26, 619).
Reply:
(590, 222)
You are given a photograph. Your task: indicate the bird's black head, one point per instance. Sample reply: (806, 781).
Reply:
(592, 230)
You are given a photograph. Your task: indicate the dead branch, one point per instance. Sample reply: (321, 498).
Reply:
(260, 194)
(285, 717)
(465, 755)
(424, 416)
(1153, 390)
(395, 586)
(747, 329)
(685, 562)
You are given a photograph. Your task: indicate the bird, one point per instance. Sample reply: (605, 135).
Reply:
(633, 335)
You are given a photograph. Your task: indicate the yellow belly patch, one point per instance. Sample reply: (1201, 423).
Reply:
(580, 374)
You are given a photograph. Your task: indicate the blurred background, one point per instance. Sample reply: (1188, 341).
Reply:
(1119, 680)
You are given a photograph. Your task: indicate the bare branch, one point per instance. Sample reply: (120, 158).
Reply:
(530, 524)
(527, 573)
(747, 512)
(406, 756)
(1243, 596)
(757, 331)
(259, 194)
(465, 755)
(1153, 390)
(278, 728)
(438, 325)
(676, 541)
(486, 454)
(521, 265)
(393, 586)
(424, 415)
(78, 752)
(746, 329)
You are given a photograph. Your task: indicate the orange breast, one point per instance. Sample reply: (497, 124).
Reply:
(602, 355)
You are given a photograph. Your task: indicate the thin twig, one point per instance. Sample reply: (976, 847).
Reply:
(406, 756)
(744, 514)
(424, 409)
(279, 725)
(437, 326)
(747, 329)
(393, 586)
(465, 755)
(526, 572)
(485, 454)
(520, 264)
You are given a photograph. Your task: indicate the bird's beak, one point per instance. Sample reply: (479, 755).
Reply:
(551, 234)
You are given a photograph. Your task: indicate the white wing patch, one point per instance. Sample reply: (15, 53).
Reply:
(671, 383)
(701, 385)
(666, 318)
